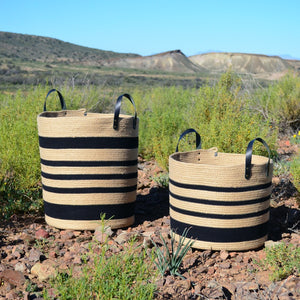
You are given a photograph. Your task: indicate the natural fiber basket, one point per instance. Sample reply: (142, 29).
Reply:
(89, 166)
(222, 198)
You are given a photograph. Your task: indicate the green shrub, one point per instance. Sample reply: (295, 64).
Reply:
(283, 260)
(280, 103)
(221, 114)
(120, 276)
(295, 171)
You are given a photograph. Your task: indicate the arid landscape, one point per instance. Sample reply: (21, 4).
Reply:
(209, 92)
(33, 59)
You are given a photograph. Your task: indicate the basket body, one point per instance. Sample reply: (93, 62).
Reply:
(210, 195)
(88, 168)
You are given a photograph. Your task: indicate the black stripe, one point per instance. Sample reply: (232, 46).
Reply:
(220, 235)
(219, 216)
(220, 189)
(88, 212)
(89, 176)
(89, 163)
(88, 142)
(96, 190)
(218, 202)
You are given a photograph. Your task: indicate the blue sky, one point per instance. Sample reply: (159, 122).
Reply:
(154, 26)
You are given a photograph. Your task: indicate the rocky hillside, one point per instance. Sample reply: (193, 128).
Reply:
(259, 65)
(171, 61)
(44, 49)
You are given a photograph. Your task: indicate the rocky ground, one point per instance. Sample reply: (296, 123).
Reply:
(31, 251)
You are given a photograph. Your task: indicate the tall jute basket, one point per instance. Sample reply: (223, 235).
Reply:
(221, 198)
(88, 166)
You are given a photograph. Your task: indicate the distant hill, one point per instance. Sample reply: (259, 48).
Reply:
(38, 48)
(171, 61)
(258, 65)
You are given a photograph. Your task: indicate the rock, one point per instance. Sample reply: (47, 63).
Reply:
(13, 277)
(224, 254)
(225, 265)
(269, 243)
(102, 234)
(34, 255)
(212, 284)
(186, 284)
(20, 267)
(12, 295)
(44, 270)
(42, 234)
(67, 235)
(123, 237)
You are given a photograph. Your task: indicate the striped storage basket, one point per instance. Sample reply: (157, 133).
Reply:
(223, 199)
(89, 166)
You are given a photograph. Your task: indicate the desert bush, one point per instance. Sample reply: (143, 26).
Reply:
(280, 103)
(220, 113)
(295, 171)
(282, 259)
(124, 275)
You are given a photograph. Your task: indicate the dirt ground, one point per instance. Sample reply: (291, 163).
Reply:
(31, 251)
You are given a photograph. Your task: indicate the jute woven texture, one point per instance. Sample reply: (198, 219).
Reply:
(88, 168)
(210, 195)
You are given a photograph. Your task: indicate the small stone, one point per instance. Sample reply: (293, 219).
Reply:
(210, 271)
(271, 243)
(225, 265)
(34, 255)
(42, 234)
(52, 254)
(102, 234)
(197, 289)
(169, 280)
(147, 243)
(186, 284)
(13, 277)
(216, 293)
(20, 267)
(43, 270)
(252, 286)
(12, 295)
(160, 282)
(123, 238)
(224, 254)
(275, 180)
(67, 235)
(202, 269)
(212, 284)
(77, 260)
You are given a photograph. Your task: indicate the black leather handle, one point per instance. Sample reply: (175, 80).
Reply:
(187, 131)
(61, 98)
(249, 157)
(117, 111)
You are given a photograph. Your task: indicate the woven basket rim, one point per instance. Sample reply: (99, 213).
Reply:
(90, 115)
(226, 165)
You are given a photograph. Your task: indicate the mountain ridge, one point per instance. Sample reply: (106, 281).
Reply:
(22, 56)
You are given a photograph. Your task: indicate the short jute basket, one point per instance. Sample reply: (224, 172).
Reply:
(222, 199)
(88, 166)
